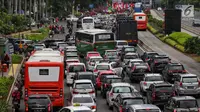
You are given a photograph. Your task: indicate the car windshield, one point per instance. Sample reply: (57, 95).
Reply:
(147, 110)
(189, 79)
(103, 67)
(164, 88)
(96, 59)
(154, 78)
(176, 67)
(131, 49)
(122, 43)
(122, 89)
(134, 101)
(90, 77)
(82, 111)
(187, 104)
(114, 80)
(38, 100)
(131, 57)
(82, 100)
(83, 86)
(111, 53)
(77, 68)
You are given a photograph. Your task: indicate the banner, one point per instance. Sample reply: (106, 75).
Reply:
(122, 6)
(187, 10)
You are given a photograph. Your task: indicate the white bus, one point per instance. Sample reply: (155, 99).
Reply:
(88, 23)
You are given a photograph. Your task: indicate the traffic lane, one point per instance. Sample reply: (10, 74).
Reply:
(155, 44)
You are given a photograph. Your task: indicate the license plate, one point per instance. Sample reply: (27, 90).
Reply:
(164, 98)
(190, 87)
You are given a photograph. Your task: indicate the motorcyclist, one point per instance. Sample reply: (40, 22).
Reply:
(16, 95)
(122, 76)
(67, 37)
(70, 30)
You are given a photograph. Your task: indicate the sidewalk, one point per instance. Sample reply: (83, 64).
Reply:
(13, 69)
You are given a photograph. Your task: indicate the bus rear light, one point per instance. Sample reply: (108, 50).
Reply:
(49, 107)
(61, 92)
(26, 92)
(26, 108)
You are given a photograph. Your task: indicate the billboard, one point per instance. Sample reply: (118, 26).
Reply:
(121, 5)
(187, 10)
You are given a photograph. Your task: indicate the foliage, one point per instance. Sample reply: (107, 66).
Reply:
(192, 45)
(180, 37)
(3, 106)
(170, 42)
(158, 24)
(151, 29)
(180, 47)
(16, 59)
(5, 84)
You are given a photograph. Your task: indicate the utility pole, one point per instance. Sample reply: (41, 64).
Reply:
(39, 9)
(20, 8)
(30, 7)
(3, 3)
(9, 2)
(25, 7)
(34, 7)
(46, 8)
(16, 4)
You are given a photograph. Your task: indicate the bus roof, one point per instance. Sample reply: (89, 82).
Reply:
(88, 18)
(46, 53)
(94, 31)
(139, 13)
(45, 59)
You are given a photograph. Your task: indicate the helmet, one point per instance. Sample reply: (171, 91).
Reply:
(15, 89)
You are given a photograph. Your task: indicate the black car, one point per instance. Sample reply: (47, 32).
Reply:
(107, 81)
(122, 101)
(147, 56)
(127, 49)
(158, 63)
(171, 70)
(39, 103)
(182, 104)
(86, 75)
(159, 93)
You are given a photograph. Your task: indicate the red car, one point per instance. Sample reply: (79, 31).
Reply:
(92, 53)
(100, 77)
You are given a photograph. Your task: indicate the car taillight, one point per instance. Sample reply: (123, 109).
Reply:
(74, 92)
(199, 110)
(146, 59)
(91, 92)
(61, 92)
(111, 94)
(133, 68)
(181, 83)
(26, 108)
(120, 108)
(49, 107)
(199, 82)
(135, 41)
(105, 85)
(95, 70)
(93, 107)
(26, 92)
(154, 96)
(174, 110)
(170, 71)
(145, 83)
(184, 71)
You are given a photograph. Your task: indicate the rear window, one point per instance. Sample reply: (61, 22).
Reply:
(189, 79)
(134, 101)
(87, 20)
(140, 18)
(83, 86)
(122, 43)
(77, 68)
(90, 77)
(111, 53)
(161, 59)
(176, 67)
(38, 100)
(104, 37)
(187, 104)
(131, 49)
(147, 110)
(141, 65)
(82, 100)
(103, 67)
(114, 80)
(164, 88)
(131, 56)
(122, 89)
(154, 78)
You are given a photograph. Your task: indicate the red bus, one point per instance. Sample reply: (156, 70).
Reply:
(141, 19)
(44, 74)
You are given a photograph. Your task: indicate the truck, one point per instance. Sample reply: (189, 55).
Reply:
(126, 29)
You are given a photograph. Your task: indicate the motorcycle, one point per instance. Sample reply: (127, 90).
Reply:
(16, 105)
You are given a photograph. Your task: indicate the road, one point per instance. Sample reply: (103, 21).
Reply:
(156, 45)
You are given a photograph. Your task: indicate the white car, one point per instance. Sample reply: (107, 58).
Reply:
(129, 56)
(118, 88)
(132, 61)
(92, 60)
(39, 46)
(111, 55)
(75, 108)
(144, 108)
(71, 69)
(72, 18)
(116, 67)
(120, 44)
(83, 86)
(101, 67)
(84, 100)
(149, 79)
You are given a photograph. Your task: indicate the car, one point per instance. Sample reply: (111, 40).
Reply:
(71, 48)
(129, 56)
(100, 77)
(120, 44)
(107, 81)
(149, 79)
(92, 53)
(68, 61)
(39, 46)
(111, 55)
(158, 63)
(92, 60)
(171, 70)
(83, 86)
(53, 46)
(127, 49)
(101, 67)
(71, 55)
(181, 104)
(187, 84)
(75, 109)
(72, 18)
(86, 75)
(71, 69)
(124, 100)
(143, 108)
(61, 45)
(132, 61)
(116, 67)
(39, 102)
(159, 93)
(147, 56)
(84, 100)
(118, 88)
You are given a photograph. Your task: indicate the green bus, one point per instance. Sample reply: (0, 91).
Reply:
(94, 40)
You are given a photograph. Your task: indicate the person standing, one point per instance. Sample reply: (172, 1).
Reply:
(6, 59)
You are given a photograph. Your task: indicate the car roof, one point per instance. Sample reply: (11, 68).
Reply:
(83, 81)
(81, 95)
(131, 95)
(157, 56)
(152, 74)
(75, 108)
(149, 52)
(92, 57)
(144, 106)
(162, 84)
(76, 64)
(92, 52)
(131, 53)
(85, 73)
(174, 64)
(132, 60)
(184, 98)
(187, 75)
(120, 84)
(112, 76)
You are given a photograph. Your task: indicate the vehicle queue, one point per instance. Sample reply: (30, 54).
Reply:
(98, 62)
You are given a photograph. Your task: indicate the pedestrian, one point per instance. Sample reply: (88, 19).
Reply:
(6, 59)
(20, 48)
(25, 49)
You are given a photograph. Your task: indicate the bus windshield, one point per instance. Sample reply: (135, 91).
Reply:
(104, 37)
(87, 20)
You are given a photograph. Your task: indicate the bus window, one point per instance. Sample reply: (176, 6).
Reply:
(140, 18)
(87, 20)
(104, 37)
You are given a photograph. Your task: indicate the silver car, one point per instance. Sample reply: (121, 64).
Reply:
(129, 56)
(144, 108)
(149, 79)
(120, 44)
(187, 84)
(111, 55)
(92, 61)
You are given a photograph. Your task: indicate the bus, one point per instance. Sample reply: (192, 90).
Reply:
(88, 23)
(94, 40)
(141, 19)
(44, 74)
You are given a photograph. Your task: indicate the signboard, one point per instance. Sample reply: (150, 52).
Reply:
(11, 49)
(121, 5)
(187, 10)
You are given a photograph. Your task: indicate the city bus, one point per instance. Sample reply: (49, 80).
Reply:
(94, 40)
(88, 23)
(141, 19)
(44, 74)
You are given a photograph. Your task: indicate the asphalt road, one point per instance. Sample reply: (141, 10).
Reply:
(156, 45)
